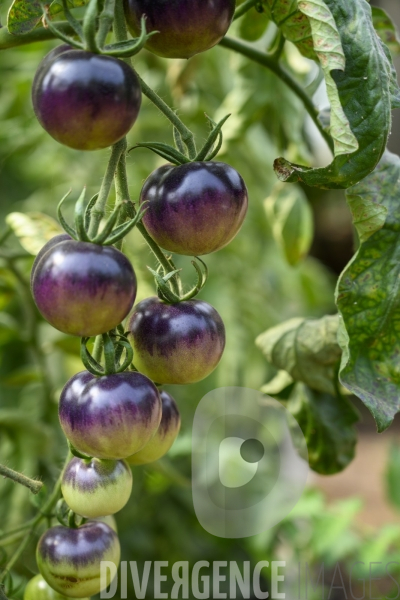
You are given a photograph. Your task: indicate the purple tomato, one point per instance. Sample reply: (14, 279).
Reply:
(96, 488)
(165, 435)
(111, 417)
(186, 27)
(84, 100)
(195, 208)
(69, 559)
(176, 343)
(83, 289)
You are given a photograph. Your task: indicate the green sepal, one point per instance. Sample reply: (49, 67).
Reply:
(165, 151)
(76, 452)
(108, 227)
(79, 217)
(61, 219)
(59, 34)
(75, 24)
(122, 230)
(88, 210)
(163, 290)
(89, 362)
(207, 152)
(129, 48)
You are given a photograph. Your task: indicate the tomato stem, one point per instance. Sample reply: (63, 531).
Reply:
(243, 8)
(271, 63)
(33, 485)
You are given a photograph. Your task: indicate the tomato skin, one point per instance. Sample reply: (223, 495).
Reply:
(69, 559)
(165, 435)
(176, 343)
(111, 417)
(57, 239)
(186, 27)
(85, 101)
(195, 208)
(96, 488)
(38, 589)
(83, 289)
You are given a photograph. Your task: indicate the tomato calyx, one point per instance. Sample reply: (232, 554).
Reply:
(165, 291)
(180, 155)
(110, 234)
(93, 30)
(115, 344)
(66, 517)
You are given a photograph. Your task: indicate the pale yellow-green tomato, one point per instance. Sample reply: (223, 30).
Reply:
(38, 589)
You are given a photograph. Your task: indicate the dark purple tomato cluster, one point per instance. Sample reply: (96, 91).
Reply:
(83, 100)
(185, 27)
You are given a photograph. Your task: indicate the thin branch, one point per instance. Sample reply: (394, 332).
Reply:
(273, 65)
(33, 485)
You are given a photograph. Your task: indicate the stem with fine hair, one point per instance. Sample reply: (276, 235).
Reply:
(98, 210)
(33, 485)
(271, 63)
(42, 514)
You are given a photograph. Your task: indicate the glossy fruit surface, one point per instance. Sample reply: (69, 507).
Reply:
(165, 435)
(195, 208)
(176, 343)
(113, 416)
(84, 100)
(62, 237)
(186, 27)
(38, 589)
(69, 559)
(83, 289)
(96, 488)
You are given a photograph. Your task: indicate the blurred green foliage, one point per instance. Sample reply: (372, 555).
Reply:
(251, 285)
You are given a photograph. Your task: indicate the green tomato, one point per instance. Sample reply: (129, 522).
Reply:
(38, 589)
(96, 488)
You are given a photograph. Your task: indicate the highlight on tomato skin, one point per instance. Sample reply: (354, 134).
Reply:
(69, 558)
(96, 488)
(83, 100)
(110, 417)
(196, 208)
(165, 435)
(176, 343)
(186, 27)
(83, 289)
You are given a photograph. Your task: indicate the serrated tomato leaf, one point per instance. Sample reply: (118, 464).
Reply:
(293, 24)
(327, 423)
(24, 15)
(365, 87)
(367, 295)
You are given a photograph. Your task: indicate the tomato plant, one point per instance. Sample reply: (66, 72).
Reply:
(165, 197)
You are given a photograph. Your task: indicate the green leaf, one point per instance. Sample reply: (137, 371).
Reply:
(24, 15)
(307, 349)
(33, 229)
(293, 24)
(364, 85)
(393, 476)
(328, 426)
(367, 297)
(253, 25)
(386, 29)
(292, 221)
